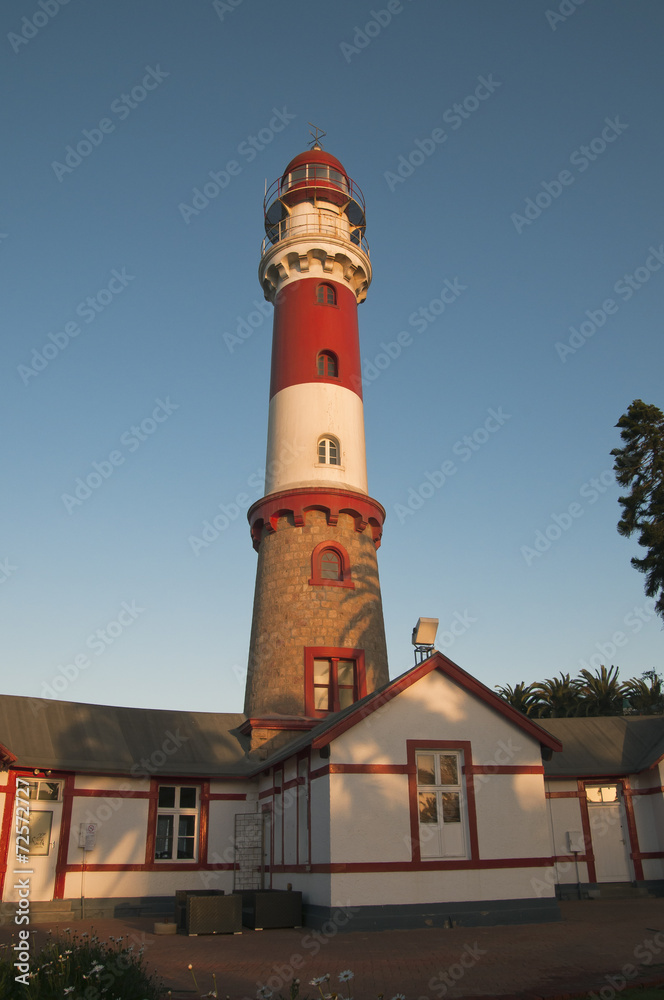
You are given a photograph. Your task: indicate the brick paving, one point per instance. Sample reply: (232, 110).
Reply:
(594, 940)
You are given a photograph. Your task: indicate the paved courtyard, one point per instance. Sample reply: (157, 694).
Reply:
(595, 940)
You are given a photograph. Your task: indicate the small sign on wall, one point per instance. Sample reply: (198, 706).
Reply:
(87, 836)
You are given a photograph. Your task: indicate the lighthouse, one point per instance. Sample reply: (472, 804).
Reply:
(318, 638)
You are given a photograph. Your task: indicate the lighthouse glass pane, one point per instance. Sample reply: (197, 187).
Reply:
(449, 774)
(330, 565)
(426, 774)
(428, 810)
(322, 672)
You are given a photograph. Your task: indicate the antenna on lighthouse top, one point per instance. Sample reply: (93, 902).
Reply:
(318, 133)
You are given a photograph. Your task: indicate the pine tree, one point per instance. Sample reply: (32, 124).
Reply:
(639, 465)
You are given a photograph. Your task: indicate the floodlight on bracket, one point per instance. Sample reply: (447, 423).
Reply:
(424, 636)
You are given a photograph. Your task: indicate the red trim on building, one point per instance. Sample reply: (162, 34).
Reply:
(632, 830)
(505, 769)
(61, 864)
(419, 866)
(587, 835)
(438, 661)
(110, 793)
(303, 328)
(5, 830)
(204, 821)
(653, 790)
(650, 855)
(562, 795)
(151, 839)
(265, 513)
(344, 562)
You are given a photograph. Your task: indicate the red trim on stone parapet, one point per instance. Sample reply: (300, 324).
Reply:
(279, 722)
(265, 513)
(303, 328)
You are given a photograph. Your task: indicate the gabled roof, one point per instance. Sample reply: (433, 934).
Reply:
(605, 745)
(69, 736)
(334, 726)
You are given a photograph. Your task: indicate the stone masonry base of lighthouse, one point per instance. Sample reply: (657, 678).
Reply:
(291, 613)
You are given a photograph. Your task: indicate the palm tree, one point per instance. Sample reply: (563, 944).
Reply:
(601, 693)
(558, 697)
(645, 696)
(521, 696)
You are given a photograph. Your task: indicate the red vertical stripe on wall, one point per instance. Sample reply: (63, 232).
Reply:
(151, 840)
(65, 833)
(631, 828)
(5, 830)
(587, 835)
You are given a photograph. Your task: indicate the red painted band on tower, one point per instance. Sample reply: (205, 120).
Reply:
(303, 328)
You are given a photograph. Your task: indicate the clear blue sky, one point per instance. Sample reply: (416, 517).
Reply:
(171, 91)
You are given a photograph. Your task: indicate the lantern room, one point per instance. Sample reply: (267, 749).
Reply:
(314, 195)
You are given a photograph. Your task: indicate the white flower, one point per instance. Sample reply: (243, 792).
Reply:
(70, 989)
(346, 975)
(398, 996)
(98, 968)
(318, 980)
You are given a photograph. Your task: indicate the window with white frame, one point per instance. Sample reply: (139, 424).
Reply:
(329, 451)
(177, 823)
(44, 790)
(441, 804)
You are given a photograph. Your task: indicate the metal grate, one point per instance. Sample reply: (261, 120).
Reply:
(249, 862)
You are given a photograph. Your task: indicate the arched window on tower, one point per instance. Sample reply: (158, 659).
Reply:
(329, 452)
(326, 295)
(327, 365)
(330, 566)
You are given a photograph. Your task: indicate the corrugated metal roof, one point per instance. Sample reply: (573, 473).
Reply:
(605, 745)
(76, 737)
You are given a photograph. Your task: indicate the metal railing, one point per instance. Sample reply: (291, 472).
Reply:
(314, 224)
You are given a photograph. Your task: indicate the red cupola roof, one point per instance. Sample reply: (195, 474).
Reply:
(315, 156)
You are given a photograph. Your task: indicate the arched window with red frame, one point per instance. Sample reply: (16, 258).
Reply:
(326, 365)
(330, 566)
(326, 295)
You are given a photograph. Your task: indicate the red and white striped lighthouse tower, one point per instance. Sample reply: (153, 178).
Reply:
(318, 638)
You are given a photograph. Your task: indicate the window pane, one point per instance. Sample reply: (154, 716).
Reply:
(322, 454)
(345, 697)
(449, 774)
(164, 841)
(49, 790)
(428, 809)
(331, 366)
(346, 672)
(609, 793)
(425, 770)
(594, 794)
(330, 565)
(187, 798)
(34, 789)
(321, 364)
(186, 839)
(321, 671)
(322, 699)
(166, 796)
(451, 807)
(334, 453)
